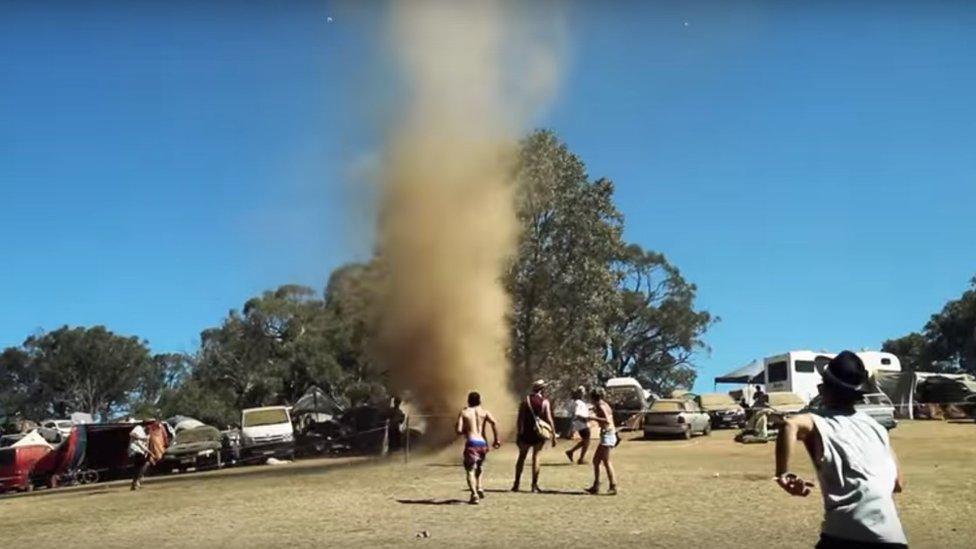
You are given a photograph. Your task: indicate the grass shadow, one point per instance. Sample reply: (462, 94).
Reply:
(431, 501)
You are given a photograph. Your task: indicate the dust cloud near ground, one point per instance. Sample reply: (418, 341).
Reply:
(473, 75)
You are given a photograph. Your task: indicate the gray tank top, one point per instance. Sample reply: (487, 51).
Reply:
(857, 476)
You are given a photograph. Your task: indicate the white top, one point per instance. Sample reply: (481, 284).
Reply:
(137, 441)
(857, 477)
(581, 411)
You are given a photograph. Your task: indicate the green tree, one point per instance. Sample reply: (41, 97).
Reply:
(948, 342)
(657, 330)
(351, 301)
(562, 282)
(84, 370)
(271, 351)
(19, 386)
(912, 350)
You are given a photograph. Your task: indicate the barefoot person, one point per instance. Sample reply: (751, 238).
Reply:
(855, 463)
(581, 418)
(471, 425)
(534, 406)
(603, 414)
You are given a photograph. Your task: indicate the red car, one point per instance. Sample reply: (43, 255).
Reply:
(23, 467)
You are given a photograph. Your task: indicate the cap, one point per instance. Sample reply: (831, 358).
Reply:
(845, 371)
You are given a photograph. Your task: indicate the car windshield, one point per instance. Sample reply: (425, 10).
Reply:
(668, 406)
(717, 400)
(625, 398)
(258, 418)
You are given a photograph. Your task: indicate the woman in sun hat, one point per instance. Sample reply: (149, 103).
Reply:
(535, 427)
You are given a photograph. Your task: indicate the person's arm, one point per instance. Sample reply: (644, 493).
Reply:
(793, 429)
(490, 420)
(547, 409)
(460, 424)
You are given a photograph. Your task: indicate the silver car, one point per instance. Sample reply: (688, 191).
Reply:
(675, 416)
(876, 405)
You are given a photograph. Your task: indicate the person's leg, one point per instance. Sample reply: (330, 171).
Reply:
(141, 465)
(611, 474)
(536, 467)
(519, 465)
(478, 475)
(469, 475)
(577, 446)
(586, 446)
(597, 459)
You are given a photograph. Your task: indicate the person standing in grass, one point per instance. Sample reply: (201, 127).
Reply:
(471, 425)
(534, 408)
(581, 418)
(603, 415)
(852, 454)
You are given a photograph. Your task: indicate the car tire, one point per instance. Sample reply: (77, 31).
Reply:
(708, 429)
(687, 433)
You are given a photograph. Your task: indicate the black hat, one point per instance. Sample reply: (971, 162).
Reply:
(845, 371)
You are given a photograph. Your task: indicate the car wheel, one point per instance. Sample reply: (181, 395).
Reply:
(687, 433)
(708, 429)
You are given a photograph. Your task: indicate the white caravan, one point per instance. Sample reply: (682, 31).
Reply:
(796, 372)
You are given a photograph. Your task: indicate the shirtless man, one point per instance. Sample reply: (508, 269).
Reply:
(471, 425)
(603, 415)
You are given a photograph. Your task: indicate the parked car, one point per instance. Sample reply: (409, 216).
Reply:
(876, 405)
(723, 410)
(786, 403)
(267, 432)
(198, 448)
(676, 416)
(629, 401)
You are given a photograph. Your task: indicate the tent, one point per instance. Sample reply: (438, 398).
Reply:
(906, 389)
(750, 373)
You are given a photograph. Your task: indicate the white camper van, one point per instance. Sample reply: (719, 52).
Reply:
(267, 432)
(796, 372)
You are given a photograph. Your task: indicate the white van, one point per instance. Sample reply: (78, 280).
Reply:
(796, 372)
(267, 432)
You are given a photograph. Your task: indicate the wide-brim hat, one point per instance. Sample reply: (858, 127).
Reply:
(539, 384)
(845, 372)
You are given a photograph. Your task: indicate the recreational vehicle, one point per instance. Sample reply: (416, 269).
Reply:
(796, 371)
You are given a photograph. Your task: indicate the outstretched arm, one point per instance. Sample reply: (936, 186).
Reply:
(793, 429)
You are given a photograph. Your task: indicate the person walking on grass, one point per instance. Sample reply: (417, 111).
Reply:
(471, 425)
(603, 415)
(535, 415)
(854, 460)
(581, 418)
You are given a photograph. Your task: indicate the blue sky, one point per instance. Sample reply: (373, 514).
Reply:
(809, 167)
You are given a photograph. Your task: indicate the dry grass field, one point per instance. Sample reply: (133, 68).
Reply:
(707, 492)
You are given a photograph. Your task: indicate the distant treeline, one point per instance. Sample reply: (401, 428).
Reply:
(586, 306)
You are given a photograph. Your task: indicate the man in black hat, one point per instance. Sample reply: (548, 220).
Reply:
(852, 454)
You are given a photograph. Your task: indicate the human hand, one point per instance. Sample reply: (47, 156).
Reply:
(794, 485)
